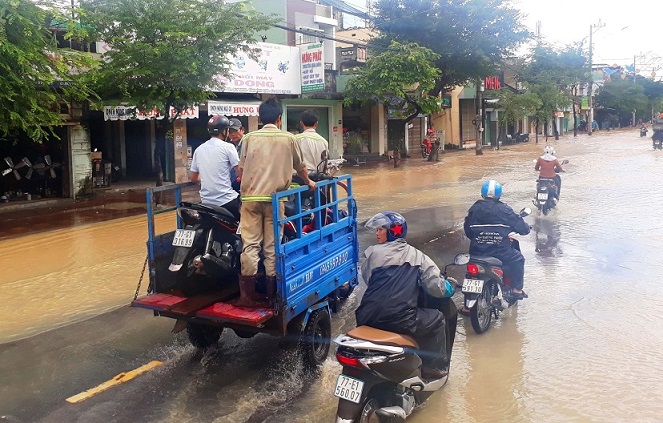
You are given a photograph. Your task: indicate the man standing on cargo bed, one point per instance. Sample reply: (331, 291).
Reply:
(266, 162)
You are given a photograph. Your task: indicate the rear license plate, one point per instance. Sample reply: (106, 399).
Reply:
(349, 388)
(474, 286)
(543, 196)
(184, 238)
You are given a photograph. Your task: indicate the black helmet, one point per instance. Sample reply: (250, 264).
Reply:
(216, 125)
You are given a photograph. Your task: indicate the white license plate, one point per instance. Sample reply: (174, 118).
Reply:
(542, 196)
(349, 388)
(474, 286)
(184, 238)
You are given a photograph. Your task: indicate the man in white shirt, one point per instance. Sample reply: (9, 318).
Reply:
(211, 166)
(310, 142)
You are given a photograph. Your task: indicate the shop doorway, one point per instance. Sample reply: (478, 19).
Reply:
(323, 120)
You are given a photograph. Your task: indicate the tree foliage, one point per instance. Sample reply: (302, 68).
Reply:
(471, 37)
(621, 97)
(554, 76)
(397, 78)
(515, 106)
(37, 77)
(168, 52)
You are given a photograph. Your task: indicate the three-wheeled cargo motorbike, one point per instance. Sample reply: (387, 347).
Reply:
(316, 268)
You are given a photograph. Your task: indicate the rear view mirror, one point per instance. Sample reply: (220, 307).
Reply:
(525, 212)
(565, 162)
(324, 158)
(462, 258)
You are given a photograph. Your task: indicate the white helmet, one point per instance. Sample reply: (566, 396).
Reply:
(549, 150)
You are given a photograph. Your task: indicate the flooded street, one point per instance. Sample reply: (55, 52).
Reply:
(583, 348)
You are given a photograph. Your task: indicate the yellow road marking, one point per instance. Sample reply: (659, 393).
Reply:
(121, 378)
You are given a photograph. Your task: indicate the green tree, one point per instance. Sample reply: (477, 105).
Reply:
(399, 78)
(37, 77)
(471, 37)
(557, 75)
(514, 106)
(622, 97)
(168, 53)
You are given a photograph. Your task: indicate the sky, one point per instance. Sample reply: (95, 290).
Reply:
(629, 28)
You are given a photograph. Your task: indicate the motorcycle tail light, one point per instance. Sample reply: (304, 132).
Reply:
(348, 361)
(189, 216)
(473, 269)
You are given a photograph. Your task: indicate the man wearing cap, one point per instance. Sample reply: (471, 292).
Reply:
(235, 136)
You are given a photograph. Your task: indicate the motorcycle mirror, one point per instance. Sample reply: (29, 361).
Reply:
(565, 161)
(525, 212)
(324, 156)
(462, 258)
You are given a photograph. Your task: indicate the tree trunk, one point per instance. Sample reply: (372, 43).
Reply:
(536, 128)
(160, 150)
(555, 130)
(397, 157)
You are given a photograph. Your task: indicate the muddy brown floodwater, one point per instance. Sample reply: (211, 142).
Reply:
(585, 347)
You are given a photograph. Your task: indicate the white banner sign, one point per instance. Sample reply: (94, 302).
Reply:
(127, 113)
(276, 71)
(232, 108)
(313, 69)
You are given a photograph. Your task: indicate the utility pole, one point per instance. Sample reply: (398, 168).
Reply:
(590, 86)
(479, 118)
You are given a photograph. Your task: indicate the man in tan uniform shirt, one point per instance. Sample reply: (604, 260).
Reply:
(266, 162)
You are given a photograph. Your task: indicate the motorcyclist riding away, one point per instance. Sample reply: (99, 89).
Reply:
(548, 166)
(488, 224)
(400, 282)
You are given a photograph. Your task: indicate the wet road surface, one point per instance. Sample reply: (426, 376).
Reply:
(583, 348)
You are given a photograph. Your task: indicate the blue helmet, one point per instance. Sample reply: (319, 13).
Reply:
(491, 189)
(393, 222)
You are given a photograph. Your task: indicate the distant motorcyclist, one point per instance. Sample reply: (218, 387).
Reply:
(400, 282)
(488, 224)
(548, 167)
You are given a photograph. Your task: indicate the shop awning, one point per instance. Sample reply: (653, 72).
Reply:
(233, 108)
(128, 113)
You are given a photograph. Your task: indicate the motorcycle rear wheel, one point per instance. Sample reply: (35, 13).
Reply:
(482, 313)
(424, 153)
(368, 411)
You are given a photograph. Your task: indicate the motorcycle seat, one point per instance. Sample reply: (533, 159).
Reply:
(492, 261)
(210, 208)
(367, 333)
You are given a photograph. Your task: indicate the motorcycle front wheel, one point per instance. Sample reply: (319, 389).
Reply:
(482, 313)
(424, 152)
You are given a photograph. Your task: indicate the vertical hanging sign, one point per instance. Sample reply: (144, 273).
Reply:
(313, 70)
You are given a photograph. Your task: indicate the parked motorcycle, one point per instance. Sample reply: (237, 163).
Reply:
(520, 137)
(427, 146)
(487, 292)
(381, 378)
